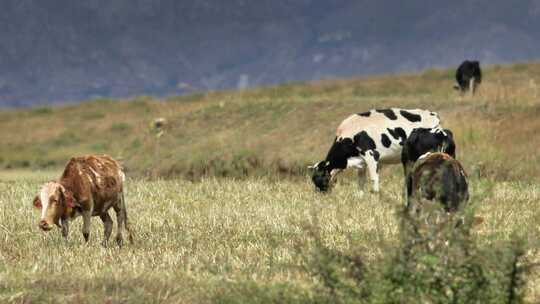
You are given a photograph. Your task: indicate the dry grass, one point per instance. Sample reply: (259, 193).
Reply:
(197, 239)
(283, 127)
(193, 239)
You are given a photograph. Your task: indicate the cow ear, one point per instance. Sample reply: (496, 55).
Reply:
(68, 198)
(69, 201)
(314, 166)
(37, 202)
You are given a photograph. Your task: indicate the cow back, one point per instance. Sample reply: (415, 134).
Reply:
(437, 177)
(379, 121)
(96, 177)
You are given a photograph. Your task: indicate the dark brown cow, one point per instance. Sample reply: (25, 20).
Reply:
(89, 186)
(439, 178)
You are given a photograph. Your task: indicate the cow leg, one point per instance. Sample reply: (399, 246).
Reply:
(372, 169)
(120, 210)
(107, 224)
(126, 222)
(359, 164)
(65, 228)
(87, 215)
(361, 178)
(471, 86)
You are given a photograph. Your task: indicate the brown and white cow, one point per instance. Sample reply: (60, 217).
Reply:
(89, 186)
(368, 139)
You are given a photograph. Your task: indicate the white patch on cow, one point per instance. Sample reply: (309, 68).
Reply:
(333, 173)
(438, 129)
(89, 178)
(355, 162)
(377, 123)
(424, 155)
(471, 85)
(46, 191)
(122, 175)
(314, 166)
(96, 175)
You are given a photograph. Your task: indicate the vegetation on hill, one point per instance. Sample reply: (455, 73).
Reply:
(280, 129)
(260, 238)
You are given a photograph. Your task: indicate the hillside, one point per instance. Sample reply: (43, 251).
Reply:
(281, 128)
(65, 50)
(265, 236)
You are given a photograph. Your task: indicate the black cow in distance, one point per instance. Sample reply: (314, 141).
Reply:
(468, 76)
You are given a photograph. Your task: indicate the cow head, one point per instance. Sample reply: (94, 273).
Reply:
(321, 176)
(447, 143)
(324, 172)
(54, 201)
(429, 119)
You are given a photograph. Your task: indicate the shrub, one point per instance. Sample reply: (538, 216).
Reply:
(437, 261)
(65, 139)
(92, 115)
(42, 111)
(249, 292)
(100, 147)
(120, 127)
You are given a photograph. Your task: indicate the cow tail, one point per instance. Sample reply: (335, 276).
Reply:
(126, 222)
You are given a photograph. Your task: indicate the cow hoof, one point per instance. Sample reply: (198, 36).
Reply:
(86, 237)
(104, 244)
(119, 241)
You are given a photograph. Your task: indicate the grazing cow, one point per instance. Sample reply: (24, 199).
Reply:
(367, 139)
(424, 140)
(468, 76)
(436, 177)
(89, 186)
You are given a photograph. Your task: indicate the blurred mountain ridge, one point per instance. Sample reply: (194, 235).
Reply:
(57, 51)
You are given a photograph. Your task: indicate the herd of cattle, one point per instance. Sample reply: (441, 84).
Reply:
(91, 185)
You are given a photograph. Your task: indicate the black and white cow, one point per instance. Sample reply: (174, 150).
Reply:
(368, 139)
(424, 140)
(468, 76)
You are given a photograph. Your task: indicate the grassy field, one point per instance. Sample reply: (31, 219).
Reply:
(196, 241)
(280, 129)
(203, 237)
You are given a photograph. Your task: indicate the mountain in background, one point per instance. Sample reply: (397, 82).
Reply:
(64, 50)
